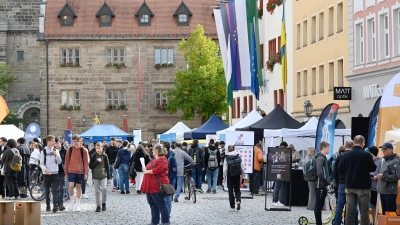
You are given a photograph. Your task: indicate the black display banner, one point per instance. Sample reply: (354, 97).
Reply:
(279, 164)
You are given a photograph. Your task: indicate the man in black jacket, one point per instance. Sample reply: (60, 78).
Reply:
(357, 165)
(3, 148)
(111, 153)
(24, 174)
(212, 159)
(198, 157)
(322, 182)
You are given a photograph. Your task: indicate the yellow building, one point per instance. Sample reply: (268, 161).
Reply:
(320, 57)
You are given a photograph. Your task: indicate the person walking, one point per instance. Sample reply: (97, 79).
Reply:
(212, 159)
(198, 157)
(49, 160)
(61, 174)
(124, 156)
(180, 156)
(9, 174)
(23, 176)
(323, 180)
(232, 169)
(388, 178)
(156, 173)
(357, 165)
(172, 172)
(374, 179)
(136, 166)
(311, 184)
(111, 152)
(100, 174)
(221, 150)
(76, 171)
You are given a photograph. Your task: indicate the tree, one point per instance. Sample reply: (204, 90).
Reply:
(6, 78)
(201, 88)
(12, 118)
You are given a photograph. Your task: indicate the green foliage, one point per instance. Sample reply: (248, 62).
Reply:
(6, 78)
(201, 89)
(12, 118)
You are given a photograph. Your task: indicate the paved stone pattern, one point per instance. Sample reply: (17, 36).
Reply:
(210, 209)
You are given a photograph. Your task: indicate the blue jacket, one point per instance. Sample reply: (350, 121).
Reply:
(172, 166)
(125, 155)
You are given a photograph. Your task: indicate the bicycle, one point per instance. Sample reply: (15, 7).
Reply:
(36, 187)
(188, 184)
(303, 220)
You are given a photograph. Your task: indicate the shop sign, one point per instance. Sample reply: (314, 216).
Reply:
(373, 91)
(342, 93)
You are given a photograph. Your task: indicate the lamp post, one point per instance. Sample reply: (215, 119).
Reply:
(84, 120)
(258, 109)
(308, 108)
(244, 113)
(223, 116)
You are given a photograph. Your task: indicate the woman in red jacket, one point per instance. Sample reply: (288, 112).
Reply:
(157, 168)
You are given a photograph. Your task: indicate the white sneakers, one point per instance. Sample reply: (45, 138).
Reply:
(85, 196)
(71, 205)
(77, 208)
(277, 204)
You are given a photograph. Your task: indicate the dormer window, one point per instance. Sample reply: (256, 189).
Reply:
(182, 14)
(144, 15)
(105, 15)
(67, 16)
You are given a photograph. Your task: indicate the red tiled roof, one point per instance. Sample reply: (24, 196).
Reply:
(125, 23)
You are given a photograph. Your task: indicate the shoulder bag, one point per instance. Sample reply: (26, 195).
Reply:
(165, 189)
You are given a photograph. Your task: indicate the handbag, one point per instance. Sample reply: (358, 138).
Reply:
(165, 189)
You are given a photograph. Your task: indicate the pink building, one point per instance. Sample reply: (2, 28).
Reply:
(374, 50)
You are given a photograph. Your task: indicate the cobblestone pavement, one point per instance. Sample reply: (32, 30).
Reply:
(210, 209)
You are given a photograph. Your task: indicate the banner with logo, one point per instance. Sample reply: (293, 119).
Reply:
(171, 137)
(239, 138)
(373, 123)
(32, 131)
(326, 127)
(389, 111)
(68, 136)
(164, 137)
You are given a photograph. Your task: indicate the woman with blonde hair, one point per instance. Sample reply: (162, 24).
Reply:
(311, 184)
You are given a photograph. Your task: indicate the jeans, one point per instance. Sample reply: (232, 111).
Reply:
(114, 175)
(256, 182)
(320, 195)
(363, 196)
(212, 174)
(123, 177)
(233, 183)
(12, 184)
(277, 190)
(100, 186)
(51, 181)
(157, 206)
(196, 174)
(388, 202)
(341, 201)
(179, 181)
(61, 188)
(83, 186)
(168, 201)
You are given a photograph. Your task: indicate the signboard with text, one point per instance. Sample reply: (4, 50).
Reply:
(342, 93)
(279, 164)
(246, 153)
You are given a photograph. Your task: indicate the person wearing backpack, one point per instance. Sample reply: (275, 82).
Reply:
(10, 159)
(49, 160)
(23, 175)
(212, 159)
(322, 181)
(101, 174)
(232, 169)
(198, 157)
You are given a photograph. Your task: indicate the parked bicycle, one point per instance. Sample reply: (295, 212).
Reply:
(36, 187)
(188, 184)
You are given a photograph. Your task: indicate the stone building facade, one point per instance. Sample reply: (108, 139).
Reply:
(91, 64)
(19, 22)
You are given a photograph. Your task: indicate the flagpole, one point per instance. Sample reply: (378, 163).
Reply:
(286, 58)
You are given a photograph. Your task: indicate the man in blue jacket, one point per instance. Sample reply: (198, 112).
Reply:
(172, 172)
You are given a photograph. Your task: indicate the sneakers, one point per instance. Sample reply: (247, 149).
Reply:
(232, 209)
(208, 190)
(61, 208)
(103, 207)
(127, 192)
(98, 209)
(17, 197)
(176, 200)
(238, 206)
(122, 192)
(114, 189)
(85, 196)
(277, 204)
(55, 209)
(48, 209)
(77, 208)
(8, 198)
(71, 205)
(214, 192)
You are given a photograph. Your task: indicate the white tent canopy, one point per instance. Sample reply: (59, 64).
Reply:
(11, 131)
(179, 129)
(250, 119)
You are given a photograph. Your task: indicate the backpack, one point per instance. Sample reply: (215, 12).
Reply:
(234, 163)
(16, 162)
(212, 160)
(310, 170)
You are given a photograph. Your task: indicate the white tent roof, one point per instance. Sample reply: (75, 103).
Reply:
(11, 131)
(250, 119)
(285, 132)
(179, 129)
(311, 124)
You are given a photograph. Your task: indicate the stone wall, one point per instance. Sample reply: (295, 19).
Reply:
(92, 79)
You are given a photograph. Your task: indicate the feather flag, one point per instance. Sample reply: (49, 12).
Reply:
(283, 51)
(229, 82)
(236, 73)
(243, 44)
(3, 109)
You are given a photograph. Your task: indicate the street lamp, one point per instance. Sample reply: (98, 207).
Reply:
(258, 109)
(84, 120)
(308, 108)
(223, 116)
(244, 113)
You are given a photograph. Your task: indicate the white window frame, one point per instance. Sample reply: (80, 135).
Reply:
(361, 43)
(70, 98)
(163, 53)
(69, 55)
(115, 55)
(386, 44)
(117, 97)
(372, 40)
(183, 18)
(160, 98)
(358, 43)
(144, 19)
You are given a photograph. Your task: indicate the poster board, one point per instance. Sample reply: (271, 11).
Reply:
(239, 138)
(211, 136)
(279, 164)
(246, 153)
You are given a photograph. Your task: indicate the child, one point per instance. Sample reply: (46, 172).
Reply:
(100, 175)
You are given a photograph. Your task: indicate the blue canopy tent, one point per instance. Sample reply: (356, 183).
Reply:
(105, 132)
(212, 125)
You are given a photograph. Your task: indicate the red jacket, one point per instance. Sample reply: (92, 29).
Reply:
(150, 184)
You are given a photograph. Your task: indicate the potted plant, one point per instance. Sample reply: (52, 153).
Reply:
(71, 107)
(77, 107)
(76, 65)
(109, 107)
(116, 106)
(63, 64)
(260, 12)
(123, 107)
(63, 107)
(170, 65)
(117, 66)
(157, 66)
(271, 62)
(109, 65)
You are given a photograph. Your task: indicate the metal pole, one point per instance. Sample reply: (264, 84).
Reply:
(47, 88)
